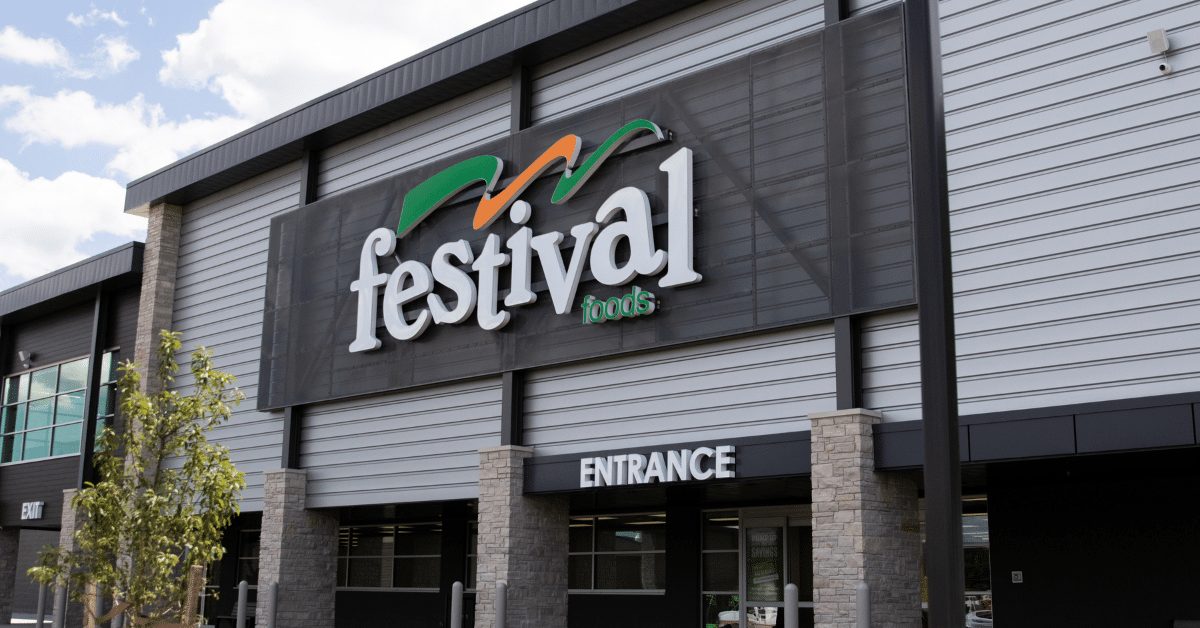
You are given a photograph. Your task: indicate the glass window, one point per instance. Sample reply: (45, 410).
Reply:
(618, 553)
(406, 556)
(248, 547)
(43, 410)
(472, 554)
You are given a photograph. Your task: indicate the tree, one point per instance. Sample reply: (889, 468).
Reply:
(163, 493)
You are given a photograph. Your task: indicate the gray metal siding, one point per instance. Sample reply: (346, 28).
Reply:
(861, 6)
(755, 385)
(469, 120)
(412, 446)
(1074, 178)
(891, 364)
(677, 44)
(219, 292)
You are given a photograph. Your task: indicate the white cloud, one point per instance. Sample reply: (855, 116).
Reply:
(266, 56)
(145, 140)
(113, 54)
(94, 16)
(48, 220)
(15, 46)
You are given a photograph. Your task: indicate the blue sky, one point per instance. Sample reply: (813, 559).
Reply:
(95, 95)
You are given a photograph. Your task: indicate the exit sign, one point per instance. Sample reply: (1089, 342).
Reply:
(32, 510)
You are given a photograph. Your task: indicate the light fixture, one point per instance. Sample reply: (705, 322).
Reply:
(26, 358)
(1159, 45)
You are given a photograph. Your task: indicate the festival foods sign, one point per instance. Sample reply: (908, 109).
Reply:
(763, 192)
(623, 219)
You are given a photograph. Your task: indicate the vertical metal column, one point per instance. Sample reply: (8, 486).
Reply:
(935, 298)
(847, 351)
(511, 410)
(293, 416)
(522, 92)
(91, 406)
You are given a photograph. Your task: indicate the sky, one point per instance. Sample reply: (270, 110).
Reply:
(95, 95)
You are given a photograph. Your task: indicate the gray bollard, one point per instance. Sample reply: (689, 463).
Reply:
(863, 595)
(791, 606)
(60, 607)
(272, 596)
(501, 604)
(243, 590)
(41, 612)
(456, 600)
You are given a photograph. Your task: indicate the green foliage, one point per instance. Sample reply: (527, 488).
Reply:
(163, 494)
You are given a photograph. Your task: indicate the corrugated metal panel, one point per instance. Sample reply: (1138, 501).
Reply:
(63, 335)
(123, 260)
(891, 363)
(763, 384)
(219, 292)
(412, 446)
(1074, 178)
(860, 6)
(466, 121)
(677, 44)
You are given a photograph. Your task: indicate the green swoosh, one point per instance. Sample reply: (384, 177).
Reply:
(441, 187)
(571, 182)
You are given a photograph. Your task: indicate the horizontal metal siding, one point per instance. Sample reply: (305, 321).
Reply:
(412, 446)
(677, 44)
(891, 365)
(474, 118)
(219, 289)
(1075, 200)
(762, 384)
(63, 335)
(854, 7)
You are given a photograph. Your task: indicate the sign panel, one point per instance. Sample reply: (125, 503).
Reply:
(766, 191)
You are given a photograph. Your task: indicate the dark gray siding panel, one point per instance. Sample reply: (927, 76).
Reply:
(1073, 192)
(675, 45)
(122, 320)
(119, 262)
(1050, 436)
(1166, 426)
(37, 481)
(52, 338)
(25, 591)
(412, 446)
(757, 385)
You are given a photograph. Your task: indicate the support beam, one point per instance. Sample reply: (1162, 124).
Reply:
(293, 423)
(848, 362)
(835, 11)
(939, 378)
(293, 416)
(512, 424)
(522, 97)
(91, 404)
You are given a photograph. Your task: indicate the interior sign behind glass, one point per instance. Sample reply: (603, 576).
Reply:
(702, 463)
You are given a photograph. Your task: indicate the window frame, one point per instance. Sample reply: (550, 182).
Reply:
(594, 553)
(339, 586)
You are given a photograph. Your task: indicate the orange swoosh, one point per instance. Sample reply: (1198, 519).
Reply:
(490, 207)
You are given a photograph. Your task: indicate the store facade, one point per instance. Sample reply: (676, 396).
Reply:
(643, 310)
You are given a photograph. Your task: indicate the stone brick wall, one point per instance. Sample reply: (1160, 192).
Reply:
(71, 520)
(10, 542)
(299, 551)
(157, 303)
(865, 527)
(523, 541)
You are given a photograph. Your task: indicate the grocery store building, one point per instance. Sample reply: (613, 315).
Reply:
(649, 308)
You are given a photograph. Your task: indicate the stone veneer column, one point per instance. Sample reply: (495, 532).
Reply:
(157, 303)
(71, 521)
(10, 541)
(299, 551)
(865, 527)
(523, 541)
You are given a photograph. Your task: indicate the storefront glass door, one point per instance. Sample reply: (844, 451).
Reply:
(773, 549)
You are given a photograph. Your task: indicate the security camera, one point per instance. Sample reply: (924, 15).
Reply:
(1165, 68)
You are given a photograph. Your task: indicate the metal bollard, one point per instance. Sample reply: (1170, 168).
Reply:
(863, 594)
(456, 600)
(791, 606)
(60, 607)
(501, 604)
(272, 596)
(41, 612)
(243, 590)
